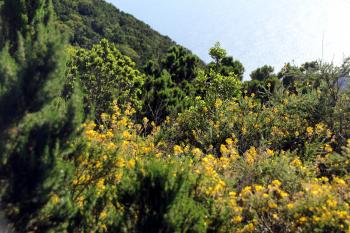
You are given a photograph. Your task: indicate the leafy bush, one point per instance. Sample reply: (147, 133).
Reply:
(105, 75)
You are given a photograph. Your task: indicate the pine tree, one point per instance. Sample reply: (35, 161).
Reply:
(35, 123)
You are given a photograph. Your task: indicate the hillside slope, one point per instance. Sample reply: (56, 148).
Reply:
(88, 21)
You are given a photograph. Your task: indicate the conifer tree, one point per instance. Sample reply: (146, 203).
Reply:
(35, 123)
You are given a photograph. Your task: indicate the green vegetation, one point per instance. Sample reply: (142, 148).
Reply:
(105, 75)
(91, 142)
(36, 124)
(89, 21)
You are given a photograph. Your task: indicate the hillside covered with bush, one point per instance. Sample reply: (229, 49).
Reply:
(88, 21)
(92, 142)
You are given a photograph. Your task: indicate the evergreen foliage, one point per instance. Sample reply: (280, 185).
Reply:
(168, 84)
(36, 124)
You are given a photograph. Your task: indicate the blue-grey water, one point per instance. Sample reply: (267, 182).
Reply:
(257, 32)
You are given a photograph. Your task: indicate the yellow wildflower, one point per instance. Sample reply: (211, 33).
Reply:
(100, 186)
(103, 214)
(331, 203)
(218, 103)
(339, 181)
(145, 121)
(272, 204)
(197, 152)
(258, 188)
(302, 220)
(328, 148)
(55, 199)
(249, 228)
(270, 152)
(276, 183)
(126, 135)
(309, 131)
(177, 150)
(131, 163)
(237, 219)
(224, 151)
(229, 141)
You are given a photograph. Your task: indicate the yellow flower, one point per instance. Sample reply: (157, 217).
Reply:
(131, 163)
(55, 199)
(276, 183)
(339, 181)
(229, 141)
(75, 182)
(302, 220)
(237, 219)
(218, 103)
(146, 149)
(328, 148)
(145, 121)
(232, 194)
(331, 203)
(249, 228)
(123, 122)
(197, 152)
(270, 152)
(118, 176)
(320, 128)
(283, 194)
(272, 204)
(177, 150)
(309, 131)
(109, 134)
(100, 186)
(250, 155)
(315, 219)
(258, 188)
(246, 191)
(297, 162)
(224, 151)
(103, 214)
(126, 135)
(111, 146)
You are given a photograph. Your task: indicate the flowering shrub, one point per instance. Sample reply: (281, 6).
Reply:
(126, 181)
(279, 125)
(274, 159)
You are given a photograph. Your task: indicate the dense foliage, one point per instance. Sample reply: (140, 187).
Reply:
(36, 123)
(89, 21)
(88, 143)
(105, 75)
